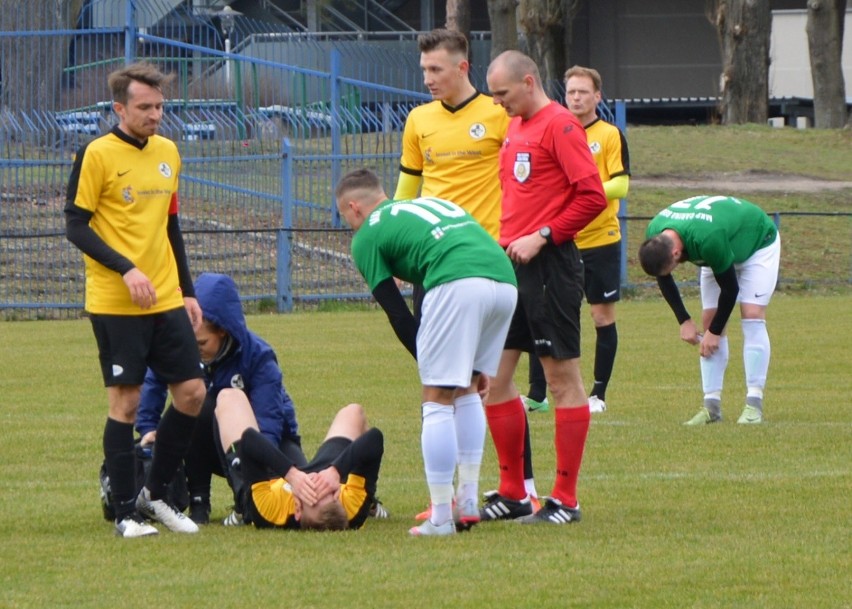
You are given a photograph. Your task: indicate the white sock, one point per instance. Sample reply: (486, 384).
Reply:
(529, 485)
(713, 369)
(438, 443)
(756, 352)
(470, 437)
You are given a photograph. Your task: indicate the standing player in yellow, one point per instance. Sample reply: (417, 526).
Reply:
(122, 213)
(600, 242)
(450, 150)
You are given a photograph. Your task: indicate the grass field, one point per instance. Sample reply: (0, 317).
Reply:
(674, 517)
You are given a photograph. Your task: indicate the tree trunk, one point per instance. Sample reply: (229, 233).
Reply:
(548, 30)
(504, 25)
(31, 66)
(825, 42)
(744, 28)
(458, 16)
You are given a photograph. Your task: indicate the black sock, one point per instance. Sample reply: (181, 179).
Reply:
(120, 459)
(174, 434)
(605, 348)
(528, 468)
(538, 384)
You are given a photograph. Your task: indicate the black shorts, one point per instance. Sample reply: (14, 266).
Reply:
(550, 293)
(602, 272)
(129, 344)
(327, 453)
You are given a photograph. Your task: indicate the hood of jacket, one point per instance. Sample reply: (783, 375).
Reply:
(220, 304)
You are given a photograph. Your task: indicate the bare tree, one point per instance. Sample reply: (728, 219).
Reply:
(744, 28)
(31, 66)
(504, 25)
(825, 41)
(458, 16)
(548, 26)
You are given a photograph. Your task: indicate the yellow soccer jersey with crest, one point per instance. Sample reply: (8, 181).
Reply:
(609, 149)
(456, 151)
(130, 189)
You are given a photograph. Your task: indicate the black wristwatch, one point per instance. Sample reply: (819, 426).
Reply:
(545, 232)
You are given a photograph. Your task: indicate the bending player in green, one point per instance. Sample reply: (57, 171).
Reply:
(738, 248)
(470, 295)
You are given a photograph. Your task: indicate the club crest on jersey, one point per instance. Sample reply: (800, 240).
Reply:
(165, 170)
(127, 195)
(237, 381)
(477, 131)
(522, 166)
(595, 147)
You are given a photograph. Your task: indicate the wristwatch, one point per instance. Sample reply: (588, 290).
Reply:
(544, 231)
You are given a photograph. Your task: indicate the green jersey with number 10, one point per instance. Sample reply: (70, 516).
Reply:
(427, 241)
(716, 231)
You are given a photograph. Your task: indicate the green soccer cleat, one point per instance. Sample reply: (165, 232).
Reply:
(751, 416)
(703, 418)
(530, 405)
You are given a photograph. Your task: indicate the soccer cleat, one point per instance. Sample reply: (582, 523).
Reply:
(159, 510)
(466, 514)
(500, 508)
(703, 418)
(234, 519)
(377, 510)
(427, 528)
(199, 510)
(751, 416)
(134, 526)
(427, 513)
(530, 405)
(553, 512)
(596, 404)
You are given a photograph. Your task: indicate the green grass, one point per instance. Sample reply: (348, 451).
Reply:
(674, 517)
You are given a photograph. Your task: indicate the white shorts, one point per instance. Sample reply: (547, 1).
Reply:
(757, 277)
(463, 327)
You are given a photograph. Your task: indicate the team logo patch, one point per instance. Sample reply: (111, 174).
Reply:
(127, 195)
(595, 147)
(237, 381)
(165, 170)
(522, 166)
(477, 131)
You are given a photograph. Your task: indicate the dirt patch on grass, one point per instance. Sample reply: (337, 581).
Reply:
(744, 181)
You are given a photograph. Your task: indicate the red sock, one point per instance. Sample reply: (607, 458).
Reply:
(507, 422)
(572, 427)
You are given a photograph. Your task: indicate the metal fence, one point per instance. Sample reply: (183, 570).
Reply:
(266, 121)
(265, 129)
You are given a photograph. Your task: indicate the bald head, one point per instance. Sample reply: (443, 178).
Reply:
(515, 83)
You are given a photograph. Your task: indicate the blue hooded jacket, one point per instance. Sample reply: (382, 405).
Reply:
(251, 365)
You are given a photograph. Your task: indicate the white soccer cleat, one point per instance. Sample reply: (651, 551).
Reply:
(133, 526)
(596, 404)
(161, 511)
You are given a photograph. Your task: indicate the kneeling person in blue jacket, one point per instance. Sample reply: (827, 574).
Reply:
(239, 367)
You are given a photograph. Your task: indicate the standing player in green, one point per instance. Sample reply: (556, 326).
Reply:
(451, 150)
(738, 248)
(122, 213)
(470, 295)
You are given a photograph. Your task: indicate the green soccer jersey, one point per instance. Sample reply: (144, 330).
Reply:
(429, 242)
(716, 231)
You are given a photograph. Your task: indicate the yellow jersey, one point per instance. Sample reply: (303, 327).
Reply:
(609, 149)
(456, 151)
(130, 190)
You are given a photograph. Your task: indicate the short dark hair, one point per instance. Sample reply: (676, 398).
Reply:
(329, 517)
(358, 179)
(142, 71)
(451, 40)
(655, 254)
